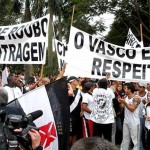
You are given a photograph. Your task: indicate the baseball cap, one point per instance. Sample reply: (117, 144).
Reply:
(72, 78)
(142, 84)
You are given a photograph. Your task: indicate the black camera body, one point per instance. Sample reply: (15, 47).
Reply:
(10, 138)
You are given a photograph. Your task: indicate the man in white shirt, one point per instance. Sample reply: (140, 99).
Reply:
(142, 92)
(102, 111)
(131, 125)
(12, 89)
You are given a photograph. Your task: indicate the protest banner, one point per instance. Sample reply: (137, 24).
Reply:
(61, 50)
(24, 43)
(132, 41)
(91, 57)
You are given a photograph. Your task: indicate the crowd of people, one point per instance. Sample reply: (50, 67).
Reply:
(116, 111)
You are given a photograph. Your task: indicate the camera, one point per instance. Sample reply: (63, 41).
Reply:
(9, 138)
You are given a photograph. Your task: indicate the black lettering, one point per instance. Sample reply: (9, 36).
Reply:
(12, 49)
(34, 51)
(111, 50)
(126, 68)
(106, 67)
(19, 53)
(101, 47)
(118, 50)
(58, 48)
(61, 63)
(96, 66)
(144, 52)
(36, 29)
(19, 32)
(26, 54)
(28, 30)
(81, 42)
(12, 33)
(65, 49)
(116, 66)
(41, 50)
(44, 22)
(130, 53)
(92, 46)
(5, 49)
(3, 31)
(136, 69)
(143, 72)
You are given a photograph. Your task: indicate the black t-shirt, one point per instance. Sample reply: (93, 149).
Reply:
(76, 111)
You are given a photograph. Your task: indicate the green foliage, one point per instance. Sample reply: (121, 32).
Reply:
(130, 14)
(7, 15)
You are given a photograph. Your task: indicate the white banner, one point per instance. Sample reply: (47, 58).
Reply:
(89, 56)
(132, 41)
(31, 102)
(24, 43)
(61, 50)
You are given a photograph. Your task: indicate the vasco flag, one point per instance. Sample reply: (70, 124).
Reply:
(132, 41)
(53, 125)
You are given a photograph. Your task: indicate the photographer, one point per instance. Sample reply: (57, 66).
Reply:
(34, 135)
(35, 138)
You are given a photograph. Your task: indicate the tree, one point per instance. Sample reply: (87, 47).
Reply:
(8, 15)
(130, 14)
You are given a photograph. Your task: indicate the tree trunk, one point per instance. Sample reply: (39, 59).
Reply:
(27, 17)
(50, 37)
(59, 28)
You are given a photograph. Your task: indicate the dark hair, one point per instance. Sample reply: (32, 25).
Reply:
(10, 78)
(102, 83)
(93, 143)
(88, 85)
(130, 86)
(31, 80)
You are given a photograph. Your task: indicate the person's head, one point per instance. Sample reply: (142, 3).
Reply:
(142, 87)
(108, 83)
(11, 80)
(136, 85)
(89, 86)
(73, 81)
(31, 80)
(93, 143)
(148, 86)
(44, 81)
(102, 83)
(3, 96)
(129, 88)
(148, 97)
(119, 88)
(81, 80)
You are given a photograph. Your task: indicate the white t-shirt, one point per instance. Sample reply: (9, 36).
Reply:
(13, 93)
(102, 109)
(131, 117)
(87, 99)
(146, 111)
(141, 104)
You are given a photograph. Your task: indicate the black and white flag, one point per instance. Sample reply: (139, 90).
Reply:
(54, 124)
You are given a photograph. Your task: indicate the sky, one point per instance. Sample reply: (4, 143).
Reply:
(108, 20)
